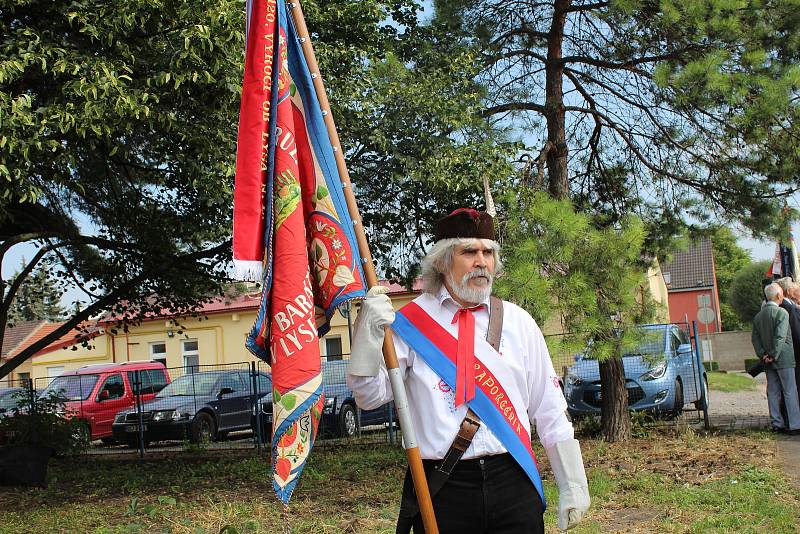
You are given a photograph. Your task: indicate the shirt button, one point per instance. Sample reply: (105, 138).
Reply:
(481, 461)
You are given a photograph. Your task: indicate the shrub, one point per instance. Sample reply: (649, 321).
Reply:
(43, 421)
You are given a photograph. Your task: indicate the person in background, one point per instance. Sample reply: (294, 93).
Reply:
(772, 342)
(790, 304)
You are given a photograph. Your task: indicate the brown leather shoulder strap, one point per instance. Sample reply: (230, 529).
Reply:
(495, 330)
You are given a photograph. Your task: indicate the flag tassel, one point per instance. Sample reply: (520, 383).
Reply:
(248, 271)
(389, 355)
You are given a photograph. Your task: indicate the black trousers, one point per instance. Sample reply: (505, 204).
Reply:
(489, 495)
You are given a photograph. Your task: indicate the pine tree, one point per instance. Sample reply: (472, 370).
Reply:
(38, 298)
(552, 256)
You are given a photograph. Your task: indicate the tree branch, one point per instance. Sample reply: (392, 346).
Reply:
(100, 305)
(587, 7)
(513, 106)
(520, 31)
(629, 65)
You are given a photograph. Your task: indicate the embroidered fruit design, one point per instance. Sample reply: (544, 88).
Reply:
(289, 437)
(287, 196)
(283, 467)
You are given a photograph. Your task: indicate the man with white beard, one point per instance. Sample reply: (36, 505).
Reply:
(478, 373)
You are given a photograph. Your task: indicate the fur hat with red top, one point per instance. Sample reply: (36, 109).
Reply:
(464, 222)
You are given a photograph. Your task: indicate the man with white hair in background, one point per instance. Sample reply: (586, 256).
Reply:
(790, 304)
(772, 341)
(478, 373)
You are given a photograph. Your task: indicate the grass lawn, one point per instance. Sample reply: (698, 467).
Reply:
(669, 481)
(730, 382)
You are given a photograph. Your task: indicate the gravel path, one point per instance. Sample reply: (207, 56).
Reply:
(740, 403)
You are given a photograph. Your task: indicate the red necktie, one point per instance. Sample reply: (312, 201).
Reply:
(465, 358)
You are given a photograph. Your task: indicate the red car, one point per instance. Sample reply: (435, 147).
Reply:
(96, 393)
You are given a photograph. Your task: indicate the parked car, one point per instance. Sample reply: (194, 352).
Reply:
(200, 406)
(339, 415)
(9, 399)
(662, 375)
(96, 393)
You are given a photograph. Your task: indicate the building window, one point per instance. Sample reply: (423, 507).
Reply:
(333, 348)
(53, 372)
(158, 352)
(191, 356)
(22, 379)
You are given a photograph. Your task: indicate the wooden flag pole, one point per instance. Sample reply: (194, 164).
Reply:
(389, 356)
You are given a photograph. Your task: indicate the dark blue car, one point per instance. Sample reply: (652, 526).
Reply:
(200, 406)
(339, 415)
(662, 375)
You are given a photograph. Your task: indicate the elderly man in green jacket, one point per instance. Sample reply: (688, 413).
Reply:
(772, 341)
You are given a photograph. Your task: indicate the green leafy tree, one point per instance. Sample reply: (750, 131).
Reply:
(552, 256)
(118, 139)
(38, 298)
(116, 149)
(746, 294)
(416, 144)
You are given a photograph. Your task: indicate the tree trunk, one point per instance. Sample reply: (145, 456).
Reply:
(616, 419)
(558, 179)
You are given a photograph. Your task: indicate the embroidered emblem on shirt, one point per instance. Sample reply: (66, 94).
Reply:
(448, 395)
(556, 383)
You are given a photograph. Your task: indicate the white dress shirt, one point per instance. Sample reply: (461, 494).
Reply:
(432, 401)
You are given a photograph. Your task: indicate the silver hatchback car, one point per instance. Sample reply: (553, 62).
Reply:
(662, 375)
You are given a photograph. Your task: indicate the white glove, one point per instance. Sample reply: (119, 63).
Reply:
(573, 489)
(365, 353)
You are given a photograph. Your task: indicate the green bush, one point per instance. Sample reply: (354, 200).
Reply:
(711, 366)
(42, 421)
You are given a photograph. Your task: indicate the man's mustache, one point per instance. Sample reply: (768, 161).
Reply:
(479, 272)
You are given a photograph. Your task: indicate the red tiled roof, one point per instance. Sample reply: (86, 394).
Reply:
(36, 330)
(395, 289)
(691, 268)
(73, 337)
(16, 335)
(45, 329)
(247, 301)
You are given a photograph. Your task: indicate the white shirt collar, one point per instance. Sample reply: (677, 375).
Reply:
(444, 296)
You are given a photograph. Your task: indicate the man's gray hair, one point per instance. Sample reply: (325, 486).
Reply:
(785, 283)
(772, 291)
(439, 260)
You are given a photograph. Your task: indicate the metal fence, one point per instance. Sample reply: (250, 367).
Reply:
(142, 406)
